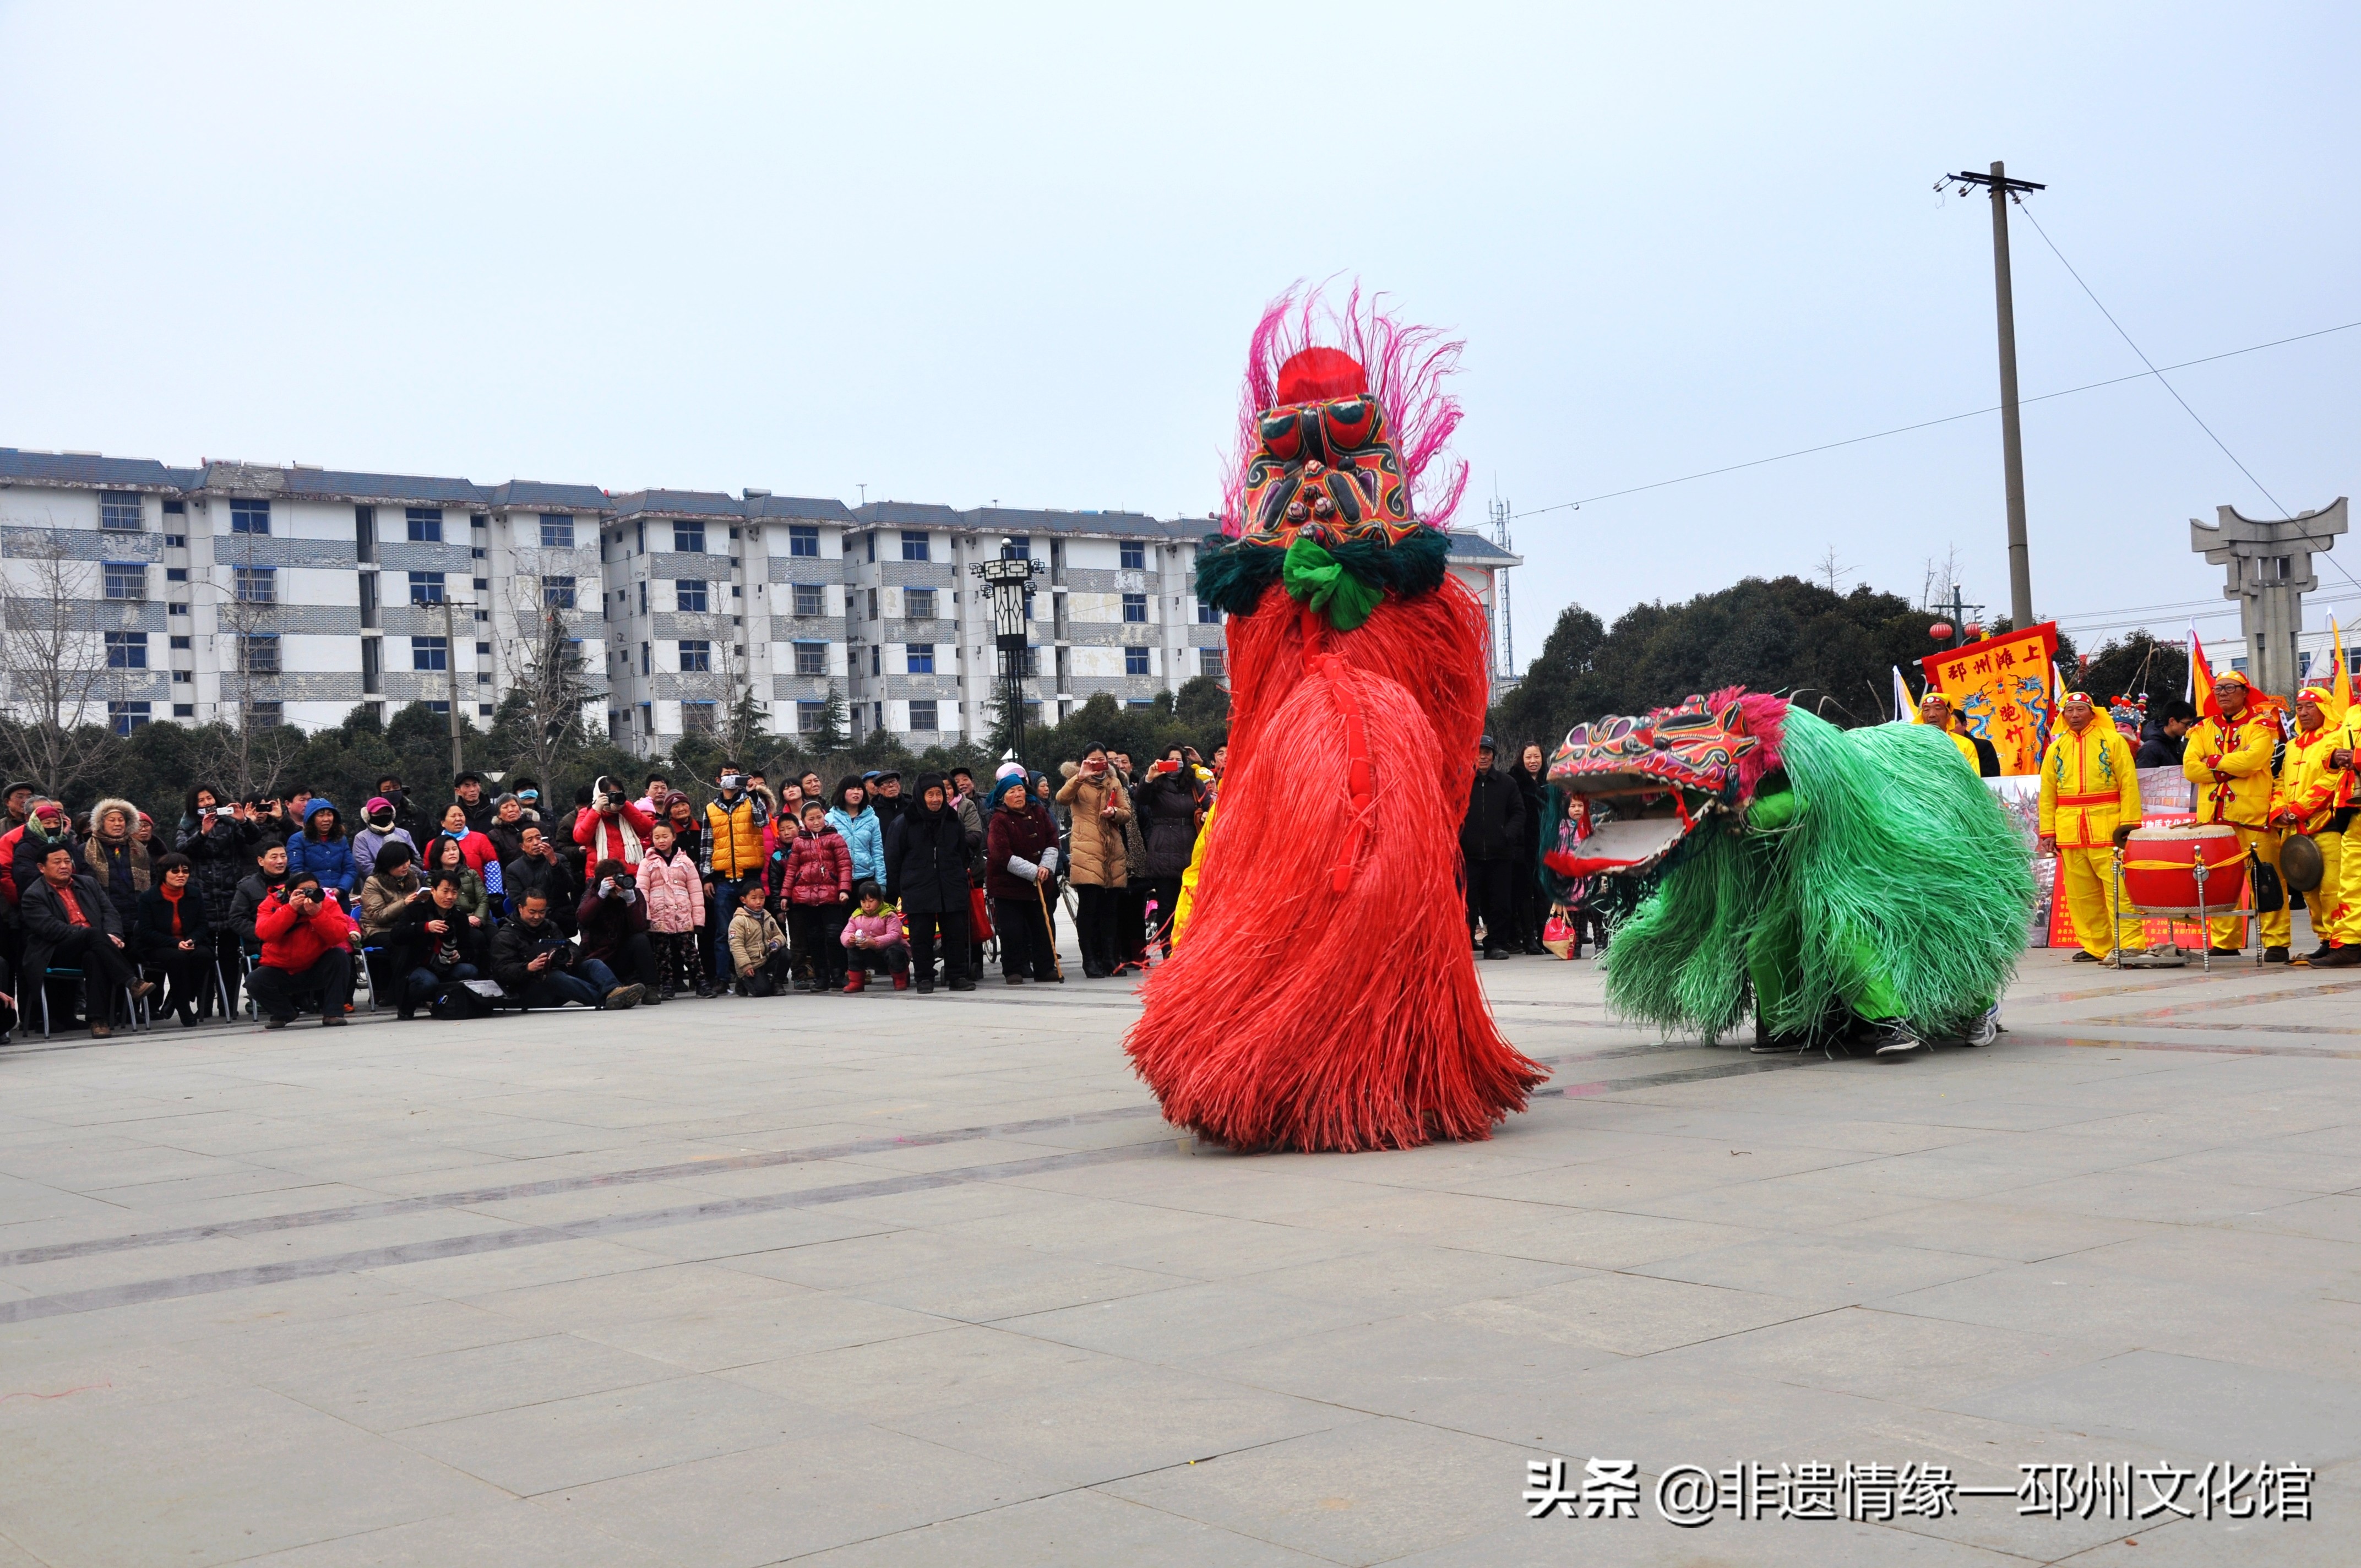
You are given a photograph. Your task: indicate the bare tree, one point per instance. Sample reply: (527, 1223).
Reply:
(1829, 574)
(252, 751)
(549, 685)
(1935, 590)
(53, 657)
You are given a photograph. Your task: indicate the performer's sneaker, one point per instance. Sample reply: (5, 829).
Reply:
(1985, 1029)
(1894, 1038)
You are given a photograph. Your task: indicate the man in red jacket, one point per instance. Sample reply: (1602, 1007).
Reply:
(307, 943)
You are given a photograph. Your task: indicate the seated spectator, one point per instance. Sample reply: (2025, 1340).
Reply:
(614, 920)
(434, 945)
(676, 894)
(507, 825)
(69, 924)
(613, 828)
(391, 887)
(270, 875)
(873, 943)
(542, 867)
(475, 848)
(381, 826)
(115, 861)
(535, 963)
(174, 939)
(758, 944)
(307, 945)
(812, 875)
(447, 853)
(24, 846)
(322, 850)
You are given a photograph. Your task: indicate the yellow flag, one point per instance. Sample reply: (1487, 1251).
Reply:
(2340, 694)
(1905, 708)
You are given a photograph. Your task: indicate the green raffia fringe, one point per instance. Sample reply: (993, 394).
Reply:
(1899, 853)
(1232, 575)
(1315, 577)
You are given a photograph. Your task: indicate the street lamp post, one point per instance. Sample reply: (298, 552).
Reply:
(1009, 581)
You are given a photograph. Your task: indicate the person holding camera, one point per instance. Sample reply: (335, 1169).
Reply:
(614, 920)
(735, 820)
(613, 828)
(540, 866)
(307, 945)
(219, 837)
(535, 963)
(434, 945)
(70, 923)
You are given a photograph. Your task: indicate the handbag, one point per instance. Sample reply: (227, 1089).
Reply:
(1560, 936)
(979, 917)
(2270, 896)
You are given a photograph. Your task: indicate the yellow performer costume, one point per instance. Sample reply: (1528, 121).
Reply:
(1184, 906)
(2230, 760)
(2313, 799)
(2089, 787)
(1966, 747)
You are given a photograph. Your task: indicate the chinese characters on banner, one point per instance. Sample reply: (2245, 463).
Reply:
(2000, 691)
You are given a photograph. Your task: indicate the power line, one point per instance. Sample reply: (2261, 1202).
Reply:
(1947, 419)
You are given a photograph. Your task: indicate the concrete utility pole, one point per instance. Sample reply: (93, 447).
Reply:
(2012, 438)
(451, 668)
(2270, 571)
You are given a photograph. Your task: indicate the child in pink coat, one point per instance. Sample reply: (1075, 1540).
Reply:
(874, 940)
(675, 895)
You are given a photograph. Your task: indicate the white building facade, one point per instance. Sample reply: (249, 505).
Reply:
(291, 594)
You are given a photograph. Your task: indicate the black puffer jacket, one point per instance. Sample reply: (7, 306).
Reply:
(926, 859)
(221, 850)
(1168, 819)
(1531, 796)
(1494, 827)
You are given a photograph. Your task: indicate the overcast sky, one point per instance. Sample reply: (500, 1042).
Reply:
(969, 254)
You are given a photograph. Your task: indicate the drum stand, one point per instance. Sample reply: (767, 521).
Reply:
(2147, 958)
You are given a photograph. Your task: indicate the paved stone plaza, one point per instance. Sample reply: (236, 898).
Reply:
(887, 1281)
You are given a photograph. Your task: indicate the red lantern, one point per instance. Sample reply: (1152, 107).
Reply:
(1975, 630)
(1939, 631)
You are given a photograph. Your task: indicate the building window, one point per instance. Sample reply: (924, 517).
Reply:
(922, 715)
(688, 538)
(176, 573)
(556, 531)
(258, 585)
(803, 539)
(697, 718)
(126, 716)
(873, 604)
(696, 656)
(176, 508)
(258, 654)
(869, 542)
(185, 710)
(810, 599)
(430, 653)
(184, 677)
(249, 517)
(1017, 548)
(811, 658)
(126, 579)
(425, 525)
(646, 659)
(1134, 661)
(1207, 615)
(876, 659)
(1209, 662)
(811, 718)
(1134, 608)
(921, 660)
(426, 587)
(176, 609)
(557, 593)
(119, 509)
(643, 596)
(272, 715)
(1135, 556)
(183, 643)
(688, 596)
(914, 545)
(176, 542)
(918, 603)
(127, 650)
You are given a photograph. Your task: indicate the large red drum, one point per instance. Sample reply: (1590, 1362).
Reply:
(2160, 867)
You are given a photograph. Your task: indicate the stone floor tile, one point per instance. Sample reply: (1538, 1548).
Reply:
(1079, 1529)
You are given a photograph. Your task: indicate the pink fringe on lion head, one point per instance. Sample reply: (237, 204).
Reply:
(1406, 366)
(1762, 716)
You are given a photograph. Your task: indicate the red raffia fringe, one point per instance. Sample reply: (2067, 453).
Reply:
(1298, 1015)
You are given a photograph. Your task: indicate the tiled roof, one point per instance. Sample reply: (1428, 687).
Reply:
(533, 493)
(85, 468)
(1472, 547)
(678, 503)
(813, 509)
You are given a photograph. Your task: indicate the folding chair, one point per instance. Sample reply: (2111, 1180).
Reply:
(136, 1008)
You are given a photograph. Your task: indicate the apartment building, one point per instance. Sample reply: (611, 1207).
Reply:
(291, 594)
